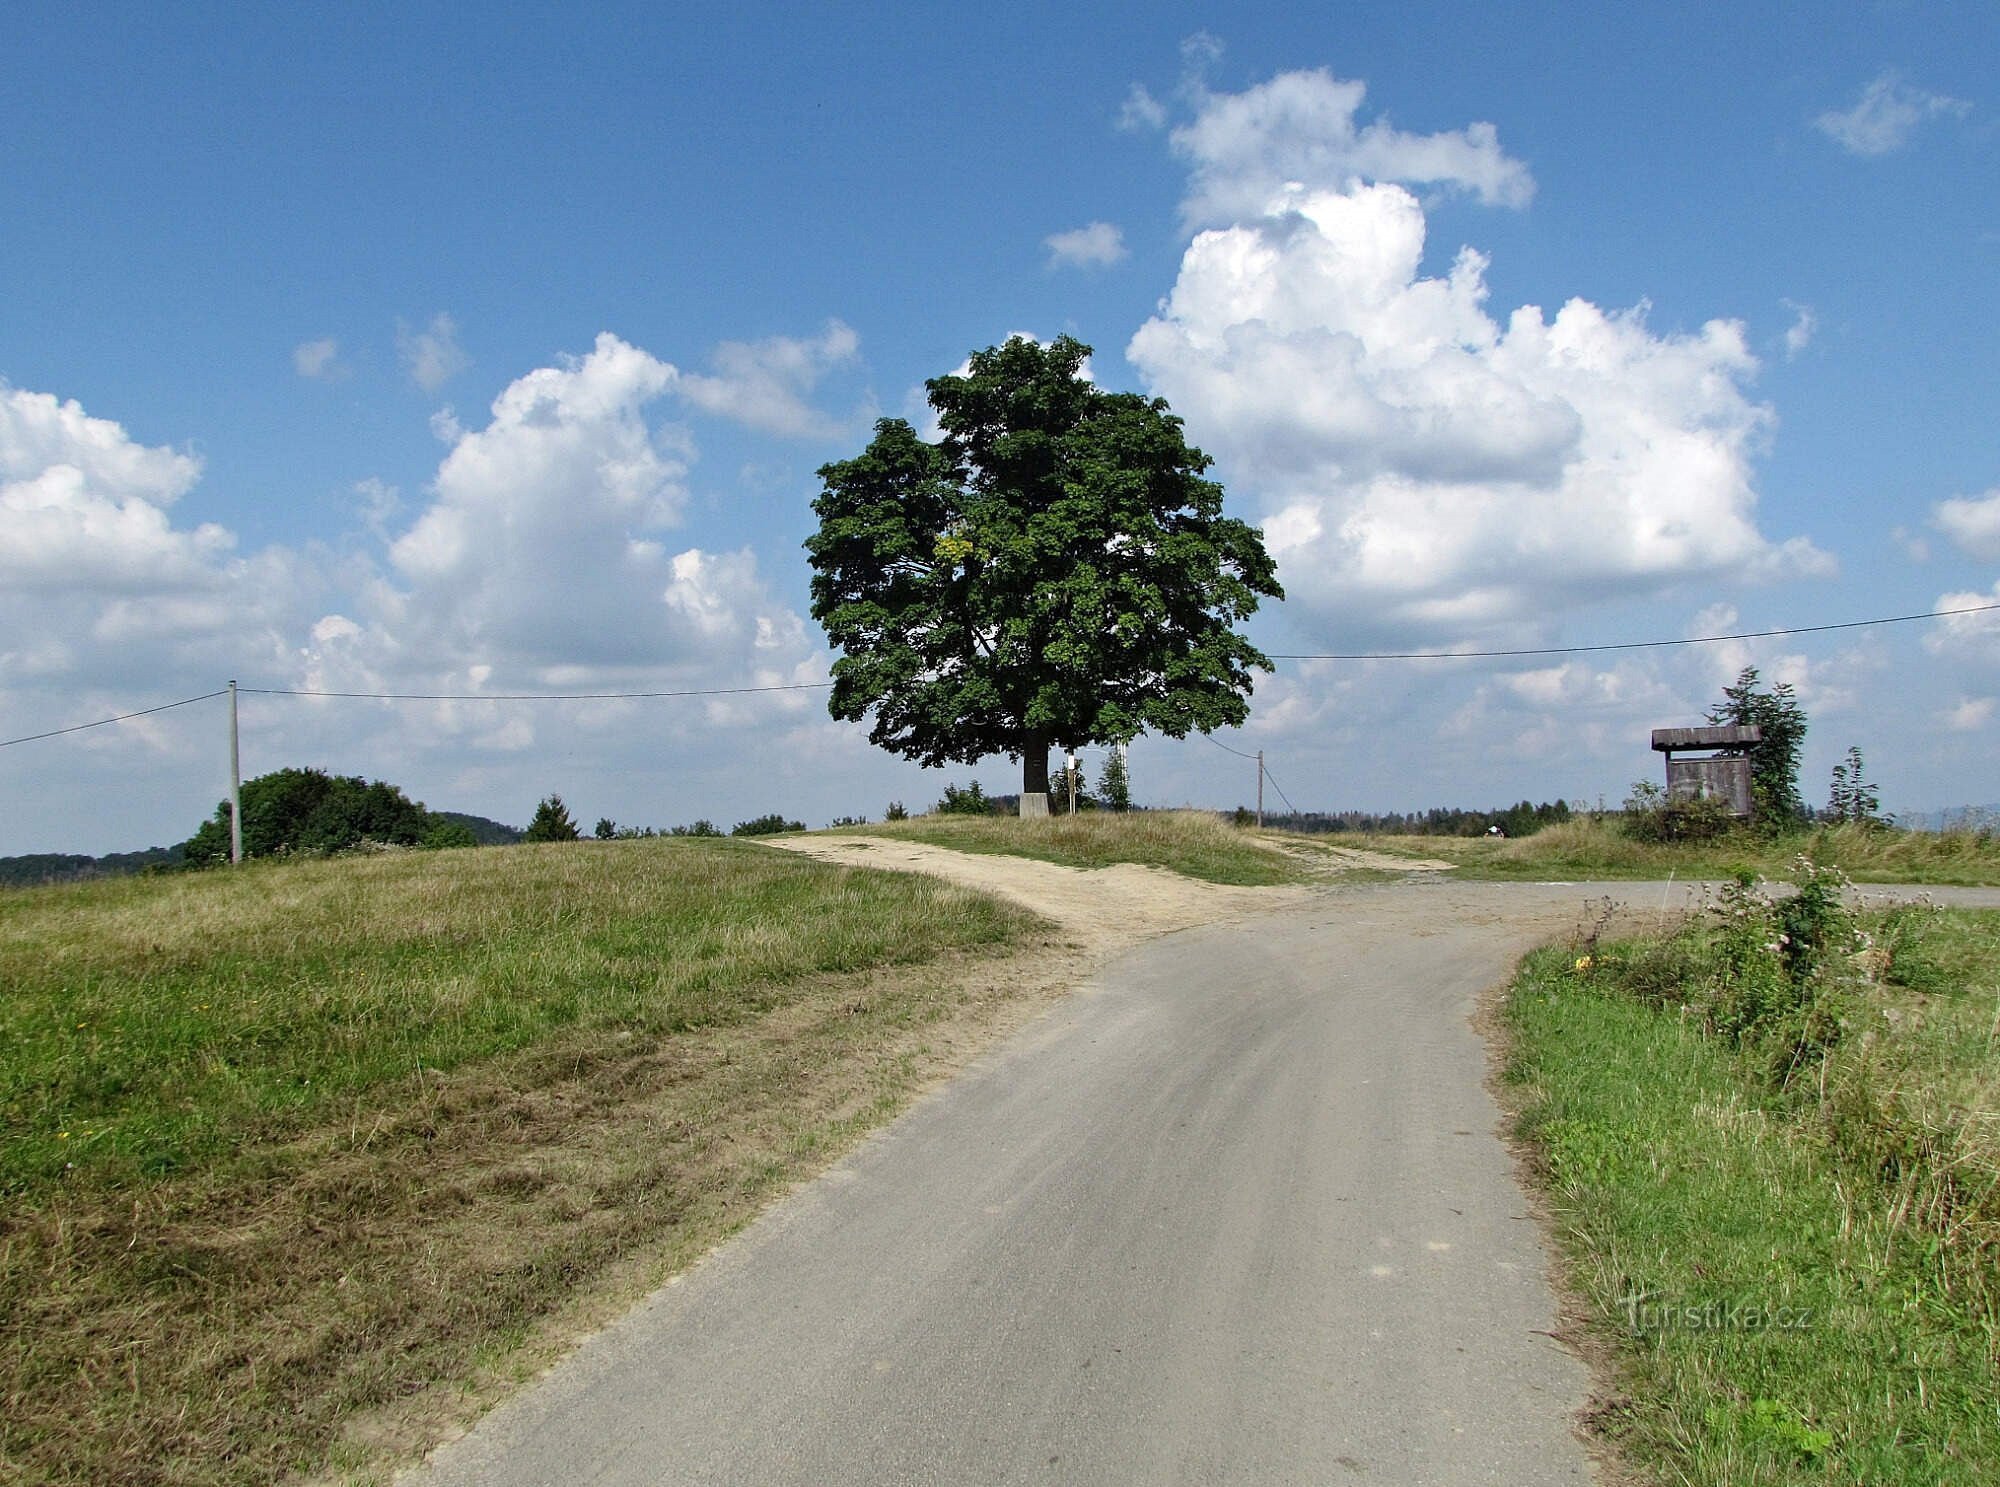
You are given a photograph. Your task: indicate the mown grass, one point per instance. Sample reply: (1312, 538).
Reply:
(1192, 843)
(1584, 849)
(289, 1144)
(1794, 1262)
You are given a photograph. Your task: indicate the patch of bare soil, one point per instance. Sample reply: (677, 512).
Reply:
(1325, 856)
(1103, 909)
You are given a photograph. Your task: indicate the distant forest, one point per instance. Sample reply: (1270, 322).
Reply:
(1523, 819)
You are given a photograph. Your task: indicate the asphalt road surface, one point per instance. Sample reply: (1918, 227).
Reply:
(1237, 1212)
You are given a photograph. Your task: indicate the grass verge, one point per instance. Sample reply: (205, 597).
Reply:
(1584, 849)
(292, 1147)
(1777, 1195)
(1192, 843)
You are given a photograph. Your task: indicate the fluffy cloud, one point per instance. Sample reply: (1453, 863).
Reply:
(536, 560)
(431, 356)
(1975, 634)
(539, 546)
(1298, 132)
(1972, 522)
(103, 596)
(1095, 246)
(1886, 116)
(83, 508)
(764, 384)
(1424, 469)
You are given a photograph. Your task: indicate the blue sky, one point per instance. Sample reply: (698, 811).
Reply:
(440, 349)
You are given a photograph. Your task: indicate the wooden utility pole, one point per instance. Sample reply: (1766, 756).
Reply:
(1260, 787)
(235, 784)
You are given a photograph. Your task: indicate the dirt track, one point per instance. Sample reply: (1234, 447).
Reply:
(1106, 909)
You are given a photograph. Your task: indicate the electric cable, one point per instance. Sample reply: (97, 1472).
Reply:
(1630, 645)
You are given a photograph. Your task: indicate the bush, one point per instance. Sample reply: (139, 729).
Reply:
(308, 811)
(1651, 815)
(895, 812)
(971, 801)
(769, 825)
(703, 827)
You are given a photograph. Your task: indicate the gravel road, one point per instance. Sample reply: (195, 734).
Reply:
(1236, 1211)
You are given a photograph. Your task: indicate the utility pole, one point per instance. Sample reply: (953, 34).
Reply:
(1260, 784)
(235, 784)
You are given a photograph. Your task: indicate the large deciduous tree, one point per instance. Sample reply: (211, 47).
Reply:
(1055, 570)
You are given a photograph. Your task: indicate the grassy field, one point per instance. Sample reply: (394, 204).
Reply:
(1779, 1199)
(296, 1148)
(1583, 849)
(1193, 843)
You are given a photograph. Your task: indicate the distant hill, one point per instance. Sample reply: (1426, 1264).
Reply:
(485, 831)
(68, 867)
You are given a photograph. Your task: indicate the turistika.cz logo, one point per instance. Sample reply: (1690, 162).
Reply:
(1651, 1311)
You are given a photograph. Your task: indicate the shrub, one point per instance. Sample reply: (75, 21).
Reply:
(1651, 815)
(769, 825)
(308, 811)
(895, 812)
(971, 801)
(703, 827)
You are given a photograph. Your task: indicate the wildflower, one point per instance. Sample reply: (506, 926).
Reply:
(1583, 963)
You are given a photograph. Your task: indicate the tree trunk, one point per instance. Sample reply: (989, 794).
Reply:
(1034, 773)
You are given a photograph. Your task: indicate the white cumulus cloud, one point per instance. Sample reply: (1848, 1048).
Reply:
(765, 384)
(1097, 245)
(1973, 630)
(1431, 468)
(1971, 522)
(84, 507)
(1298, 130)
(1886, 115)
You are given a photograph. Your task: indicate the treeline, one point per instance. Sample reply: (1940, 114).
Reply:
(35, 868)
(1522, 819)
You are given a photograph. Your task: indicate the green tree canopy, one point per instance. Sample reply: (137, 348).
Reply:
(552, 823)
(1056, 570)
(1774, 762)
(309, 811)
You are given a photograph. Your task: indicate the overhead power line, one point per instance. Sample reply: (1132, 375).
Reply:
(1281, 790)
(122, 717)
(532, 696)
(1225, 747)
(1553, 650)
(1632, 645)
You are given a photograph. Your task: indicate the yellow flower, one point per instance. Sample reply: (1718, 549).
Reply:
(1583, 963)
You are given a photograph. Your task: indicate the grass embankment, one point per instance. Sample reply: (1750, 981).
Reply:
(1777, 1191)
(1192, 843)
(1583, 849)
(287, 1145)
